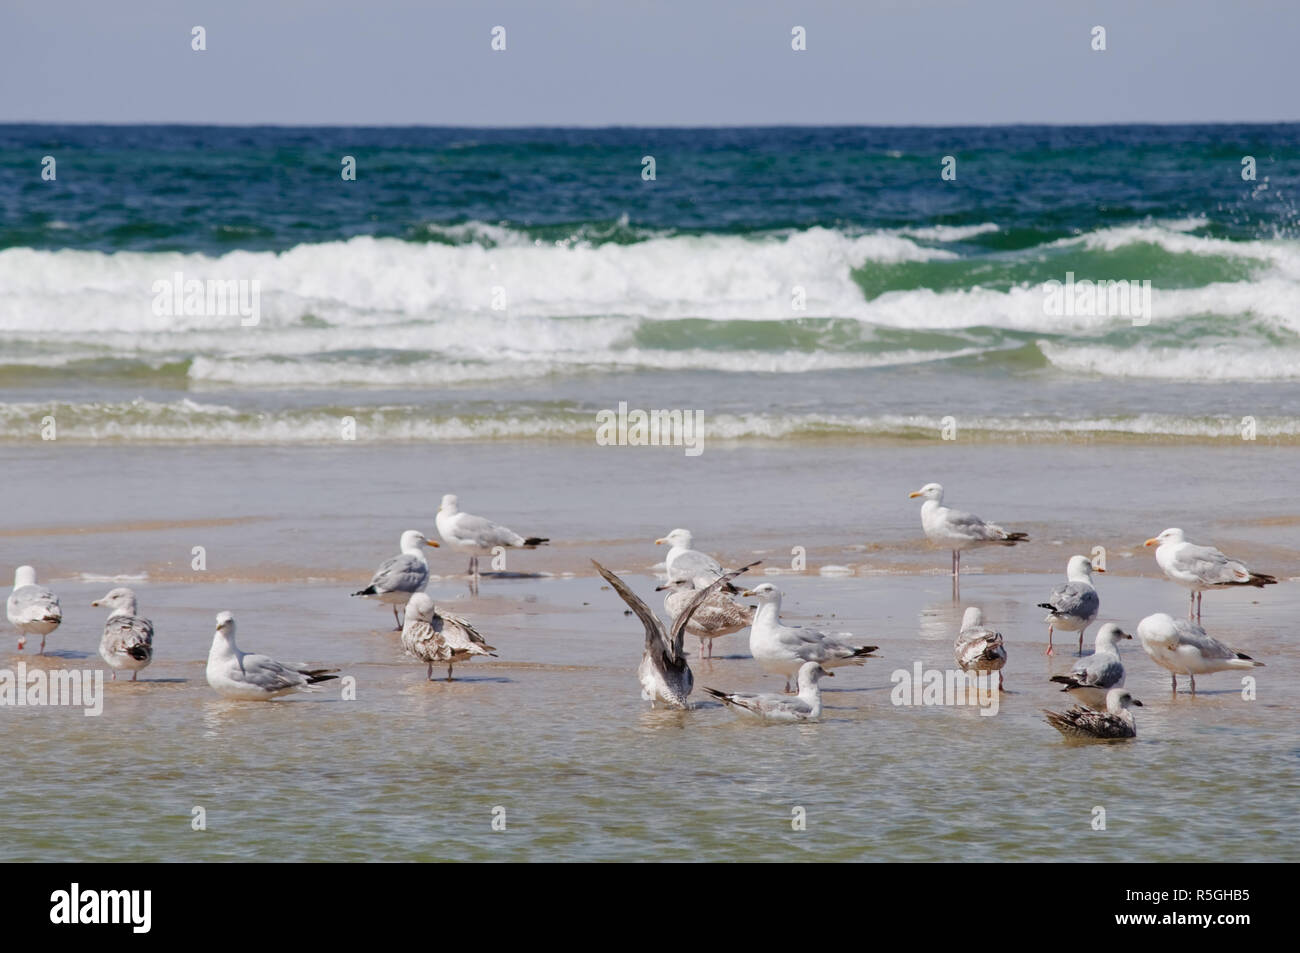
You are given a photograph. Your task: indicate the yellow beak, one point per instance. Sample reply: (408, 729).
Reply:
(748, 592)
(429, 542)
(1152, 542)
(660, 542)
(914, 494)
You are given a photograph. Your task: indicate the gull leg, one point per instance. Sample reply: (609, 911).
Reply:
(135, 675)
(1174, 679)
(42, 651)
(396, 619)
(1199, 597)
(1193, 678)
(788, 689)
(1001, 687)
(22, 642)
(1081, 631)
(1191, 605)
(114, 678)
(1049, 639)
(449, 671)
(429, 674)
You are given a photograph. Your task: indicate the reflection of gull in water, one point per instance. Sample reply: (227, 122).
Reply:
(718, 615)
(1115, 722)
(476, 535)
(783, 649)
(979, 649)
(1073, 605)
(1093, 677)
(958, 530)
(805, 706)
(32, 609)
(1201, 567)
(243, 675)
(405, 574)
(1185, 649)
(663, 672)
(433, 636)
(684, 563)
(127, 642)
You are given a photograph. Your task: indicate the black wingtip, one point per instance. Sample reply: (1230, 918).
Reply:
(368, 591)
(865, 651)
(536, 540)
(1017, 537)
(319, 675)
(1045, 605)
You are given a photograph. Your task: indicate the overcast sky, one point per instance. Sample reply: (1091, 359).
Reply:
(648, 62)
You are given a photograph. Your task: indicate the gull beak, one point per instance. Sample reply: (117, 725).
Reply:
(1098, 569)
(748, 592)
(914, 494)
(660, 542)
(827, 673)
(95, 604)
(661, 588)
(1138, 703)
(1152, 542)
(1124, 634)
(429, 542)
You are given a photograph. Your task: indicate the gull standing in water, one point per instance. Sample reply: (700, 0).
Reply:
(717, 616)
(32, 609)
(664, 674)
(979, 649)
(1113, 723)
(958, 530)
(1201, 567)
(1092, 678)
(684, 564)
(476, 535)
(1185, 649)
(399, 578)
(128, 639)
(249, 677)
(783, 649)
(1073, 605)
(805, 706)
(433, 636)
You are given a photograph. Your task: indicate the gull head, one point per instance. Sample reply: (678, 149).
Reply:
(678, 537)
(1158, 629)
(1173, 535)
(1110, 633)
(1117, 699)
(763, 592)
(449, 504)
(1080, 567)
(413, 539)
(810, 673)
(226, 624)
(119, 600)
(24, 576)
(973, 616)
(931, 491)
(677, 585)
(420, 606)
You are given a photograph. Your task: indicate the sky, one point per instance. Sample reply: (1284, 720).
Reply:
(648, 62)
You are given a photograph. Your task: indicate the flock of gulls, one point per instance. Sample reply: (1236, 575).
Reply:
(702, 600)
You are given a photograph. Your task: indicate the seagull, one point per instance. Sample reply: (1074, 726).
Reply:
(718, 615)
(397, 579)
(243, 675)
(474, 534)
(806, 706)
(32, 609)
(128, 639)
(1073, 605)
(958, 530)
(978, 649)
(783, 649)
(1115, 722)
(683, 563)
(433, 636)
(1185, 649)
(663, 671)
(1201, 567)
(1092, 678)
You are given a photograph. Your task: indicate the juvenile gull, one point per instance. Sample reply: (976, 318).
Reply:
(805, 706)
(783, 649)
(956, 529)
(1092, 678)
(433, 636)
(127, 642)
(684, 564)
(399, 578)
(1201, 567)
(979, 649)
(32, 609)
(1074, 605)
(243, 675)
(1115, 722)
(476, 535)
(718, 615)
(663, 672)
(1184, 649)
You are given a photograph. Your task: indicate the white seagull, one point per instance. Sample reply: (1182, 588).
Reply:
(1201, 567)
(783, 649)
(718, 615)
(32, 609)
(432, 636)
(664, 674)
(1073, 605)
(127, 642)
(684, 563)
(805, 706)
(249, 677)
(956, 529)
(1113, 723)
(399, 578)
(1092, 678)
(1184, 649)
(476, 535)
(979, 649)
